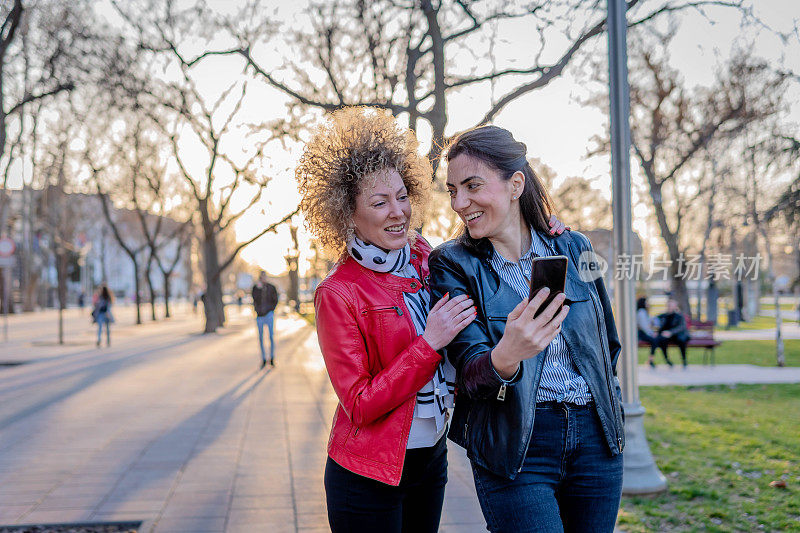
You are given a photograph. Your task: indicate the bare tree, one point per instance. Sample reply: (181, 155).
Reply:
(582, 206)
(397, 55)
(152, 190)
(768, 200)
(104, 162)
(58, 215)
(47, 48)
(223, 186)
(787, 206)
(672, 126)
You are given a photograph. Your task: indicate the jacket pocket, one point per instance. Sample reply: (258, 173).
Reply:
(378, 322)
(373, 441)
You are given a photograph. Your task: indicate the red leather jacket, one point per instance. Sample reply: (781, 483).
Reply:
(376, 363)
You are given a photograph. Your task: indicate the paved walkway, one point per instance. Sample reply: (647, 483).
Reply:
(183, 432)
(176, 429)
(716, 375)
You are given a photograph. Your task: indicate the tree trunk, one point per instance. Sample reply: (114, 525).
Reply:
(212, 301)
(437, 116)
(780, 355)
(213, 305)
(779, 347)
(677, 282)
(137, 289)
(61, 274)
(166, 295)
(147, 271)
(29, 277)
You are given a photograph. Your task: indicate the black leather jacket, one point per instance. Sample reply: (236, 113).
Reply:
(675, 323)
(495, 428)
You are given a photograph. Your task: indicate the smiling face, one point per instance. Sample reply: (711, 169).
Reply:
(383, 210)
(487, 204)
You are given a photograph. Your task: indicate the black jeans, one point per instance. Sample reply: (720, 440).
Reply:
(663, 342)
(360, 504)
(647, 338)
(569, 481)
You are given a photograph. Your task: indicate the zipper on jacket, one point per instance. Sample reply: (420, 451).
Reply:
(394, 308)
(501, 394)
(611, 393)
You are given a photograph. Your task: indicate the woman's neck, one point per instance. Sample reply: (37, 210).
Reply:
(514, 240)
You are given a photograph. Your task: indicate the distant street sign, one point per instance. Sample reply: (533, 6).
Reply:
(7, 247)
(6, 261)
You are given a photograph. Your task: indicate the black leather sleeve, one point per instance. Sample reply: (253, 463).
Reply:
(470, 351)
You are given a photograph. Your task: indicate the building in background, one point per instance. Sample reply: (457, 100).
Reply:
(94, 255)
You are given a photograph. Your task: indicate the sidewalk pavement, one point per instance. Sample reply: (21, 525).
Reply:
(178, 430)
(663, 375)
(183, 432)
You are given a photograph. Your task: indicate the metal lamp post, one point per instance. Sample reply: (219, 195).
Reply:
(641, 475)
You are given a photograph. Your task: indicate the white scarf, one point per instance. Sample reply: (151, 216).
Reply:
(437, 395)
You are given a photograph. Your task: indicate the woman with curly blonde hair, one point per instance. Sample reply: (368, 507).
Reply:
(361, 179)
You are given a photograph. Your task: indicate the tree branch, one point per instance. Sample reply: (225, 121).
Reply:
(28, 98)
(268, 229)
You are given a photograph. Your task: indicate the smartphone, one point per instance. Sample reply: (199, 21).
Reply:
(550, 272)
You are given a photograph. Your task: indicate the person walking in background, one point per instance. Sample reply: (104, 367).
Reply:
(265, 298)
(644, 325)
(673, 330)
(101, 314)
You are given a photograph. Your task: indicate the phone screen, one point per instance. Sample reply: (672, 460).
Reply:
(550, 272)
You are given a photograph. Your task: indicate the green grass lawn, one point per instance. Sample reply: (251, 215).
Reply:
(720, 448)
(755, 352)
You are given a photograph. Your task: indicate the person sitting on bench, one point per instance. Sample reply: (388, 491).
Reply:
(673, 330)
(644, 325)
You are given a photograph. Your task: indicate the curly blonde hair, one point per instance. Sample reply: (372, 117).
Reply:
(356, 142)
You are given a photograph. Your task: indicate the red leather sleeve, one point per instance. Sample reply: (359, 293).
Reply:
(363, 396)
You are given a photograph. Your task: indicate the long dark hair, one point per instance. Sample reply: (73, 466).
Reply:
(105, 294)
(641, 303)
(496, 147)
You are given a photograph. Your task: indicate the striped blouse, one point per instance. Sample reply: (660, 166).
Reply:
(560, 379)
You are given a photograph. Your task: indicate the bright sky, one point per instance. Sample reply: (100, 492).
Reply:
(551, 122)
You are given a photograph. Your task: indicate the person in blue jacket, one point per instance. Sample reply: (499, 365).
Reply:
(102, 314)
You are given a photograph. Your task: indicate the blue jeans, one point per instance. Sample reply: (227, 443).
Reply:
(569, 480)
(101, 320)
(267, 319)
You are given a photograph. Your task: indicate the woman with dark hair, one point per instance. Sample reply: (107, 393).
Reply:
(539, 408)
(644, 326)
(102, 314)
(364, 186)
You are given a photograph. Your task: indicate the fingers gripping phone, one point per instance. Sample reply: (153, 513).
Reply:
(550, 272)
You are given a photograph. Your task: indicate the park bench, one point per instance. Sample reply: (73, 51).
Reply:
(701, 335)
